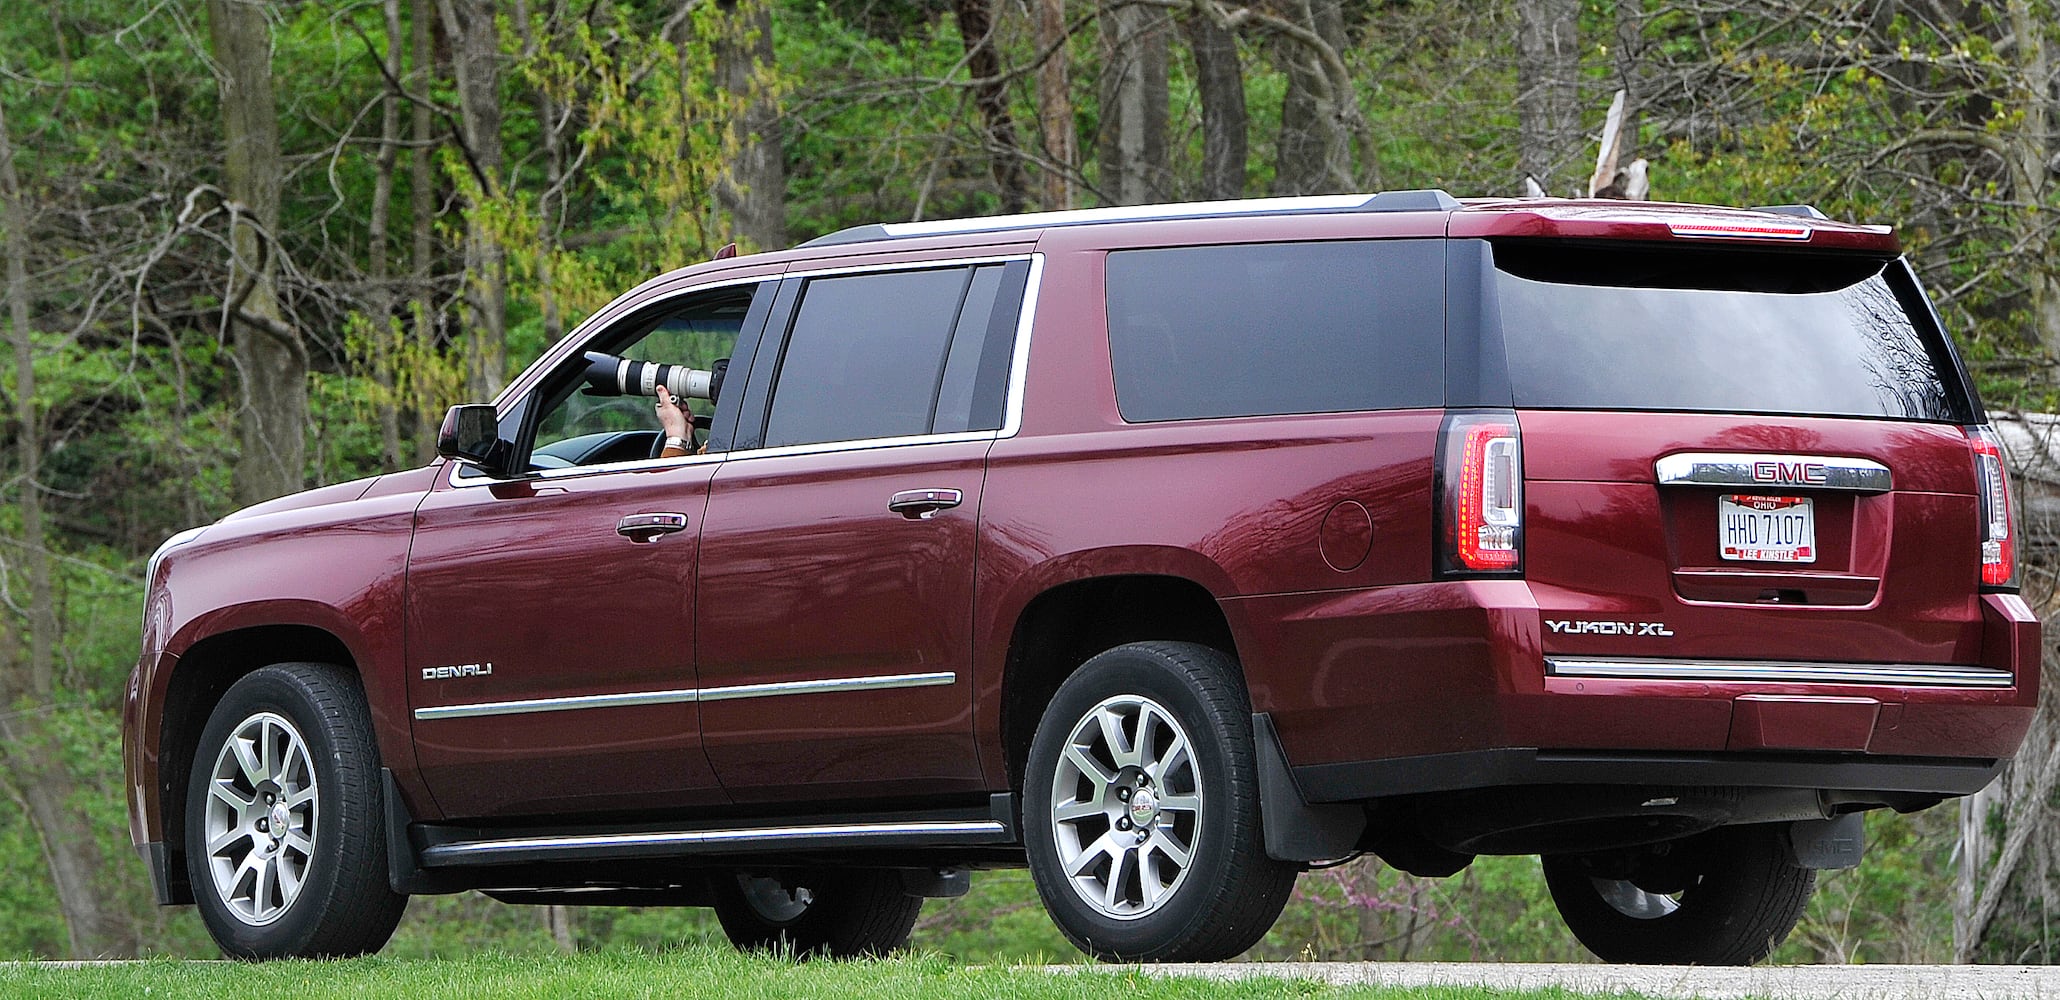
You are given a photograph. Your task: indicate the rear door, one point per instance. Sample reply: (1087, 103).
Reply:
(837, 559)
(1739, 455)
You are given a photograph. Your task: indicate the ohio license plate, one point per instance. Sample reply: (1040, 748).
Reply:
(1766, 528)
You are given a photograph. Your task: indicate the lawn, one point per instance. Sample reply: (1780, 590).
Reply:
(686, 972)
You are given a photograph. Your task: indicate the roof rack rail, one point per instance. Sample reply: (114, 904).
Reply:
(1428, 200)
(1802, 211)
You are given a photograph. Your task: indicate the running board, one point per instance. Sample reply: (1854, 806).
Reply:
(451, 848)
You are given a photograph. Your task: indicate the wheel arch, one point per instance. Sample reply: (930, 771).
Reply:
(201, 675)
(1063, 625)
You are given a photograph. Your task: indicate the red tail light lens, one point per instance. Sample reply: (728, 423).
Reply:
(1998, 521)
(1481, 471)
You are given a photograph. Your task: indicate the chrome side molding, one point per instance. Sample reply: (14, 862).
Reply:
(1777, 672)
(684, 695)
(668, 842)
(1817, 472)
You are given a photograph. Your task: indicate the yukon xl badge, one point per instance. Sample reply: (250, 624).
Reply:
(1608, 628)
(458, 670)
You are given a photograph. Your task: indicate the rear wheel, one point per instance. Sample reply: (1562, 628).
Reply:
(284, 845)
(1728, 897)
(844, 914)
(1141, 809)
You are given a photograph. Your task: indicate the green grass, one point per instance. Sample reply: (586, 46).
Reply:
(687, 972)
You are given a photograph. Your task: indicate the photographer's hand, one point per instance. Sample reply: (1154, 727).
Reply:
(670, 416)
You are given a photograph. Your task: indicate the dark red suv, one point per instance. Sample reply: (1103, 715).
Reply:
(1165, 550)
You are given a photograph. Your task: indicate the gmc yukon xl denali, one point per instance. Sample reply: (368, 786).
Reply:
(1167, 551)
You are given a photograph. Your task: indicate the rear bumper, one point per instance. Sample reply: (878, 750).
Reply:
(1360, 780)
(1442, 686)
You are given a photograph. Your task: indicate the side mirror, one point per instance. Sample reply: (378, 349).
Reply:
(472, 433)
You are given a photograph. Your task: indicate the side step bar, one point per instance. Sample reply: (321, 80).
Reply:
(447, 847)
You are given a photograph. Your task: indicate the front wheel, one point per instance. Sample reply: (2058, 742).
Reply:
(284, 845)
(1141, 809)
(846, 914)
(1727, 897)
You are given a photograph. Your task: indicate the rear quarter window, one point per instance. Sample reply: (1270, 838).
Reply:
(1726, 331)
(1225, 331)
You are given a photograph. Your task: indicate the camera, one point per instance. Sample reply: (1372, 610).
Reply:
(608, 375)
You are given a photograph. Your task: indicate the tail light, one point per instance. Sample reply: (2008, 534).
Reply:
(1998, 522)
(1481, 508)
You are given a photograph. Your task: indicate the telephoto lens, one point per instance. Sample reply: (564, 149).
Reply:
(608, 375)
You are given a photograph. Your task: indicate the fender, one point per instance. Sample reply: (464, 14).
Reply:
(1001, 596)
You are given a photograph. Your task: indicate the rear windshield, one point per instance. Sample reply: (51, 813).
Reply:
(1725, 331)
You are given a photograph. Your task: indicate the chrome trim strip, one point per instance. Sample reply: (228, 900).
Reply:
(1831, 472)
(780, 688)
(1019, 363)
(683, 695)
(691, 838)
(1755, 672)
(529, 705)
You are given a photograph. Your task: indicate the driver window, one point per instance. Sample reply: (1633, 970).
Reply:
(579, 427)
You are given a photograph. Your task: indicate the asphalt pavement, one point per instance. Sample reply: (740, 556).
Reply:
(1798, 982)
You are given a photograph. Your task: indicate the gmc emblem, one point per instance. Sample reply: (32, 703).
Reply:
(1805, 473)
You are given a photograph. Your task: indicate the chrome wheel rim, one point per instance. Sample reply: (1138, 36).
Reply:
(1626, 898)
(1126, 807)
(260, 817)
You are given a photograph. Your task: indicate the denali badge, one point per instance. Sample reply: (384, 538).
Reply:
(460, 670)
(1608, 628)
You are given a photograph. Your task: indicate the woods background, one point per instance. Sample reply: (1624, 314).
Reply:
(251, 247)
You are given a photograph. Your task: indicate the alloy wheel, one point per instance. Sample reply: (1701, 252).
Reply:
(260, 818)
(1126, 807)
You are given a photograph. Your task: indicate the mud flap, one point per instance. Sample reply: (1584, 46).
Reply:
(1296, 830)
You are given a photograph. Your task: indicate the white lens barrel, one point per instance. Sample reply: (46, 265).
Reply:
(684, 381)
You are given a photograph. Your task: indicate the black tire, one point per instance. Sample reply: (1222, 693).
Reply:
(846, 914)
(1230, 893)
(343, 905)
(1735, 896)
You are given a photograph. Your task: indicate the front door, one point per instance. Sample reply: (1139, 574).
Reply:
(551, 616)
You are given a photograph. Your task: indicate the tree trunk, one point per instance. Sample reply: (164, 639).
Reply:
(270, 356)
(1133, 111)
(31, 748)
(1220, 79)
(378, 263)
(476, 58)
(1055, 108)
(422, 211)
(1315, 149)
(754, 190)
(551, 125)
(976, 29)
(1547, 65)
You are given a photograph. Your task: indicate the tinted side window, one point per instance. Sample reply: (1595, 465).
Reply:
(1277, 328)
(974, 381)
(863, 356)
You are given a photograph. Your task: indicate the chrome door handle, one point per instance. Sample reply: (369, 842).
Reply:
(920, 504)
(649, 527)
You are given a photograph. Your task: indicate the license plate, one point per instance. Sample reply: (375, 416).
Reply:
(1766, 528)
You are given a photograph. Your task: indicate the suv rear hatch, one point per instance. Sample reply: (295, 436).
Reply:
(1759, 460)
